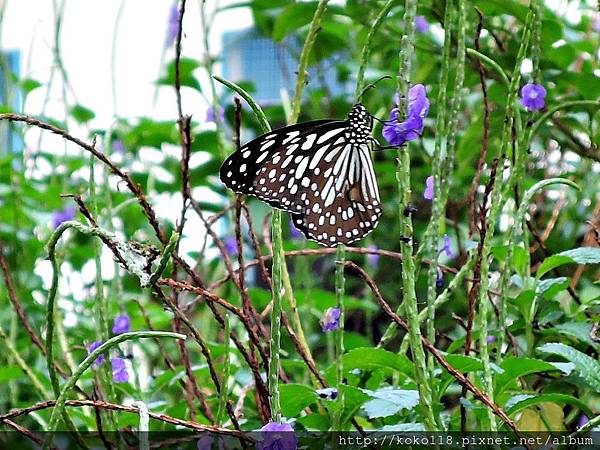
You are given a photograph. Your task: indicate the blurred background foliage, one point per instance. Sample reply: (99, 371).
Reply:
(35, 175)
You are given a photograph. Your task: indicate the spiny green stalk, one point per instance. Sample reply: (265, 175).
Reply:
(495, 207)
(404, 189)
(276, 317)
(100, 300)
(340, 285)
(364, 56)
(437, 209)
(86, 363)
(221, 410)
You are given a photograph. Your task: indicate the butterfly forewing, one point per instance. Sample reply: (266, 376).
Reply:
(321, 172)
(239, 170)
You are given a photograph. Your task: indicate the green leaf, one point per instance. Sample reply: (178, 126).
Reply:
(586, 367)
(464, 363)
(187, 66)
(582, 255)
(28, 85)
(8, 373)
(550, 287)
(368, 358)
(293, 17)
(515, 367)
(82, 114)
(389, 401)
(295, 397)
(520, 402)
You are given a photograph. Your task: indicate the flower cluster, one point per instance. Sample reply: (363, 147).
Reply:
(121, 324)
(421, 25)
(428, 194)
(397, 133)
(210, 114)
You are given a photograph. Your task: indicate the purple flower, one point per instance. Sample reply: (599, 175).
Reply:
(596, 24)
(210, 114)
(65, 215)
(173, 24)
(117, 146)
(583, 419)
(93, 346)
(206, 443)
(119, 370)
(490, 339)
(532, 96)
(295, 233)
(331, 319)
(397, 133)
(439, 281)
(428, 194)
(373, 258)
(421, 25)
(277, 436)
(327, 393)
(122, 324)
(447, 249)
(230, 244)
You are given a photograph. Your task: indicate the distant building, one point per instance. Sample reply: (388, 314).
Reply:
(10, 100)
(270, 66)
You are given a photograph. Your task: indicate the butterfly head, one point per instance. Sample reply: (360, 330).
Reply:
(360, 119)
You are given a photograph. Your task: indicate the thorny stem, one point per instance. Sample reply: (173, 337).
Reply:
(495, 204)
(409, 301)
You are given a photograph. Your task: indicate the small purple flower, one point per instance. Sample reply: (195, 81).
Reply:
(331, 319)
(583, 419)
(295, 233)
(596, 24)
(173, 24)
(65, 215)
(372, 258)
(277, 436)
(421, 25)
(327, 393)
(230, 244)
(428, 194)
(119, 370)
(210, 114)
(439, 281)
(532, 96)
(122, 324)
(397, 133)
(118, 147)
(490, 339)
(447, 249)
(93, 346)
(206, 442)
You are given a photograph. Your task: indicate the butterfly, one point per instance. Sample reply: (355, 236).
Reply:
(319, 171)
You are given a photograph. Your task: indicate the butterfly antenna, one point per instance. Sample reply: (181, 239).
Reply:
(371, 85)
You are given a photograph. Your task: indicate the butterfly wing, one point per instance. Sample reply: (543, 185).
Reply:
(239, 170)
(343, 204)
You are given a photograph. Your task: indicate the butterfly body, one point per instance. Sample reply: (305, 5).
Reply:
(319, 171)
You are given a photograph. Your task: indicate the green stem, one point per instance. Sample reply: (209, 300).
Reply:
(87, 362)
(542, 119)
(495, 208)
(406, 247)
(340, 285)
(437, 208)
(276, 317)
(364, 56)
